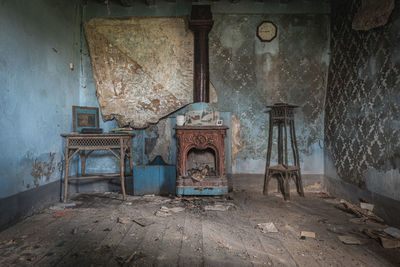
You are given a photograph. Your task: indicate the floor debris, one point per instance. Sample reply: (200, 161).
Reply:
(165, 211)
(392, 231)
(194, 237)
(350, 240)
(61, 213)
(143, 221)
(305, 234)
(390, 242)
(367, 206)
(347, 206)
(219, 207)
(63, 206)
(326, 196)
(267, 227)
(124, 220)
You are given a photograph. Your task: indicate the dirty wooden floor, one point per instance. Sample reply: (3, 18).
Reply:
(89, 234)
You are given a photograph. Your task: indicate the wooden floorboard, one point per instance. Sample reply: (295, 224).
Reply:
(90, 234)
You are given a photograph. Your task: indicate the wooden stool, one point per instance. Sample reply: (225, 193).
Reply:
(282, 116)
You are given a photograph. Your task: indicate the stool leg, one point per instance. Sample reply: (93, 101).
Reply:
(267, 175)
(286, 194)
(281, 182)
(267, 178)
(299, 184)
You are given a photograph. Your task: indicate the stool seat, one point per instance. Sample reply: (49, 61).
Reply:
(281, 168)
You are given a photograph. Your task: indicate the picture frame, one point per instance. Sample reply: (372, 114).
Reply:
(85, 117)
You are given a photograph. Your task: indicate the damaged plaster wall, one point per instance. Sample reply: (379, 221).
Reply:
(249, 74)
(362, 129)
(142, 67)
(246, 75)
(39, 40)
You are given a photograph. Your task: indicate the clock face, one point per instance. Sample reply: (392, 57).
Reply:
(266, 31)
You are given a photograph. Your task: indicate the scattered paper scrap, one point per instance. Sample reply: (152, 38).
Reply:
(392, 231)
(219, 207)
(124, 220)
(350, 240)
(305, 234)
(367, 206)
(268, 227)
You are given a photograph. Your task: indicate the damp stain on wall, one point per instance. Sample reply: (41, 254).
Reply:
(237, 144)
(250, 74)
(42, 170)
(362, 130)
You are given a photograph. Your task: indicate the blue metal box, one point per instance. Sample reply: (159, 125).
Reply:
(154, 179)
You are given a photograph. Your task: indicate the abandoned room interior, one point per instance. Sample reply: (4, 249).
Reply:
(200, 133)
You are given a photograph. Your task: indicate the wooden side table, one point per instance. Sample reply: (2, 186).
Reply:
(120, 145)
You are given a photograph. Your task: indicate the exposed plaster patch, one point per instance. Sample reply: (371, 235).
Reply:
(162, 144)
(213, 94)
(42, 169)
(142, 67)
(237, 143)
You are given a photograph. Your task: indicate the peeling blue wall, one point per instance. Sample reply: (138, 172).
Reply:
(38, 41)
(248, 74)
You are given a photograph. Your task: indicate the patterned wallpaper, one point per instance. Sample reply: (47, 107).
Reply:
(362, 117)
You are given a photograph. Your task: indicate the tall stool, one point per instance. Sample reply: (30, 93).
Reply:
(281, 115)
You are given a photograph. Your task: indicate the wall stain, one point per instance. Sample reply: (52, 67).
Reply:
(42, 169)
(237, 144)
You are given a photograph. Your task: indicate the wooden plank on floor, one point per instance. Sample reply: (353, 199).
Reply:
(222, 246)
(191, 250)
(86, 248)
(171, 241)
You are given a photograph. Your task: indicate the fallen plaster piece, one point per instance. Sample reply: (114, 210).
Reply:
(392, 231)
(237, 143)
(350, 240)
(268, 227)
(305, 234)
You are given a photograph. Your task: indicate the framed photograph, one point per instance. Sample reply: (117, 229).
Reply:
(85, 117)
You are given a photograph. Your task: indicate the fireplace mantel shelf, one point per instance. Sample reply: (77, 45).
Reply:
(209, 127)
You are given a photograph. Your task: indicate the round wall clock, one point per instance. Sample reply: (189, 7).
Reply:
(267, 31)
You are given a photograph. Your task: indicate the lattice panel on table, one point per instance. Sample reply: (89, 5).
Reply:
(362, 95)
(94, 142)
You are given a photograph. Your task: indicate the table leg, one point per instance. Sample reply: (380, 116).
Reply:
(83, 162)
(66, 173)
(130, 156)
(122, 167)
